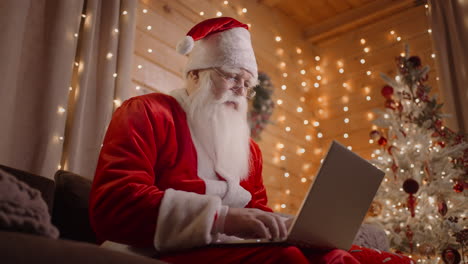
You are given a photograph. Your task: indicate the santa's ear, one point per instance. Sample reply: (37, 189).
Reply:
(194, 75)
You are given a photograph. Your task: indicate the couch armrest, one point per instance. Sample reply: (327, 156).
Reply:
(22, 248)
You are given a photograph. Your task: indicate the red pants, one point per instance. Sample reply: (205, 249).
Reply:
(262, 254)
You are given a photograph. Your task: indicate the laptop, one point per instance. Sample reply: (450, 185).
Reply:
(335, 205)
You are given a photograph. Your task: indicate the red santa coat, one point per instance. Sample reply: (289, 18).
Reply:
(146, 191)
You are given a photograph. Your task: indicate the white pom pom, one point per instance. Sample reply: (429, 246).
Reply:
(185, 45)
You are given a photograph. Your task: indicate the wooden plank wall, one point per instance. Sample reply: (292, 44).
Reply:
(351, 88)
(157, 67)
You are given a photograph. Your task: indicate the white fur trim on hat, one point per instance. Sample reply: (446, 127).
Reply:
(185, 45)
(231, 48)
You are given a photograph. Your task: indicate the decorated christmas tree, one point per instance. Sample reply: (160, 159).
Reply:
(422, 202)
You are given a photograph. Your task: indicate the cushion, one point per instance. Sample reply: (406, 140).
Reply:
(44, 185)
(372, 236)
(22, 208)
(71, 207)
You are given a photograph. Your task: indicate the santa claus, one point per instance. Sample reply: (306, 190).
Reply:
(178, 171)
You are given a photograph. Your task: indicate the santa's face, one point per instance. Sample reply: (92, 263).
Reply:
(238, 81)
(217, 115)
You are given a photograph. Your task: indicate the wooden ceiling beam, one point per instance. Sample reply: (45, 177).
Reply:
(356, 17)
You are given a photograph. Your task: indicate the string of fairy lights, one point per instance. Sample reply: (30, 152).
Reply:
(316, 77)
(305, 83)
(78, 68)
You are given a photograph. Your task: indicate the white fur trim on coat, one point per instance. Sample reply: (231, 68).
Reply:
(185, 220)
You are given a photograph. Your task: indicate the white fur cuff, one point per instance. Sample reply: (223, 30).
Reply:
(236, 196)
(216, 187)
(185, 220)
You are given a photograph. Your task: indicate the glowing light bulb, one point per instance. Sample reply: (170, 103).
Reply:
(283, 87)
(316, 123)
(145, 11)
(286, 174)
(278, 38)
(298, 50)
(202, 13)
(149, 27)
(109, 55)
(319, 135)
(363, 41)
(345, 135)
(304, 84)
(218, 14)
(345, 109)
(61, 110)
(299, 109)
(287, 129)
(346, 120)
(363, 61)
(244, 10)
(341, 70)
(368, 98)
(124, 12)
(303, 72)
(306, 122)
(366, 49)
(308, 137)
(150, 51)
(303, 179)
(317, 58)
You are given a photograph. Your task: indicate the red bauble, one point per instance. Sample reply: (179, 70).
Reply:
(387, 91)
(410, 186)
(451, 256)
(458, 187)
(415, 61)
(382, 141)
(441, 144)
(389, 103)
(374, 134)
(442, 208)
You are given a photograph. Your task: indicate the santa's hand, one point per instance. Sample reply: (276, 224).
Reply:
(254, 223)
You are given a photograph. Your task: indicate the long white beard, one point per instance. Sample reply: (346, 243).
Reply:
(221, 133)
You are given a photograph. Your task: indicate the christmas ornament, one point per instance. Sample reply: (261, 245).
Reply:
(387, 91)
(374, 135)
(411, 186)
(458, 187)
(415, 61)
(390, 104)
(451, 256)
(426, 249)
(409, 235)
(375, 209)
(442, 208)
(382, 141)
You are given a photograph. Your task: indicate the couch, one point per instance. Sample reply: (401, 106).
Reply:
(67, 201)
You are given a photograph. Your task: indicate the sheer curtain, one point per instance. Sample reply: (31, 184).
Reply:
(449, 23)
(63, 64)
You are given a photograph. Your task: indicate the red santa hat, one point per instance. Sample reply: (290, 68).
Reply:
(218, 42)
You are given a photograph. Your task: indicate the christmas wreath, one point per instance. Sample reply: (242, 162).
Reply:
(262, 106)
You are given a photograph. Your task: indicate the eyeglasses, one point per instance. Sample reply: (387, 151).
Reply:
(236, 81)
